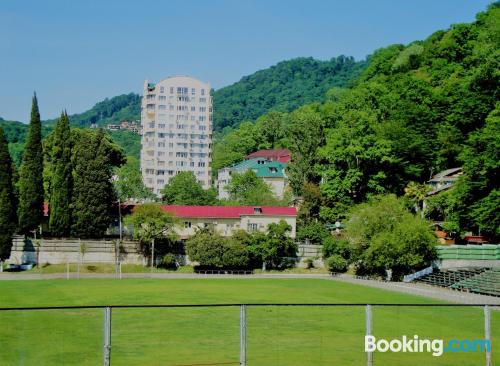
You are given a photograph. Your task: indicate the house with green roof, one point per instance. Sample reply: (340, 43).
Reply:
(271, 172)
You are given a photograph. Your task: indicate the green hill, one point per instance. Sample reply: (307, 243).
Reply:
(125, 107)
(282, 87)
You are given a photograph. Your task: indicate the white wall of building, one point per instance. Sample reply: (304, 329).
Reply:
(227, 226)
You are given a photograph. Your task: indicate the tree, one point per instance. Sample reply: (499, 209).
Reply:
(310, 206)
(275, 248)
(248, 189)
(149, 221)
(271, 128)
(212, 250)
(93, 194)
(31, 193)
(417, 194)
(305, 135)
(184, 189)
(8, 219)
(234, 145)
(129, 185)
(62, 180)
(385, 236)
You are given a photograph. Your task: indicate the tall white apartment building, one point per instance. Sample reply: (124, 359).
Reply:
(176, 118)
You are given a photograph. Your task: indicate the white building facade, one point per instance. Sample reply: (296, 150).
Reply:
(176, 119)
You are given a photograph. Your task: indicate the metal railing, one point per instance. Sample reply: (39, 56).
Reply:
(243, 309)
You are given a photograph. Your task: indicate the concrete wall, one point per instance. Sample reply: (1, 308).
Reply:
(465, 263)
(57, 251)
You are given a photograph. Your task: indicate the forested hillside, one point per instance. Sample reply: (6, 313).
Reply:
(282, 87)
(16, 132)
(125, 107)
(416, 110)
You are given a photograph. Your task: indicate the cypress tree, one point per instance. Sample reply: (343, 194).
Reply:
(93, 194)
(30, 209)
(8, 219)
(61, 180)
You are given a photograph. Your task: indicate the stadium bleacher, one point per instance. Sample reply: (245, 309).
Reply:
(484, 281)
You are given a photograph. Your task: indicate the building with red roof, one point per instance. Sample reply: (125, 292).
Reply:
(227, 219)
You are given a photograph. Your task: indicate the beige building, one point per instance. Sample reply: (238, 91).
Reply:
(227, 219)
(176, 119)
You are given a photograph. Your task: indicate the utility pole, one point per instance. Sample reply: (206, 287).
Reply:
(152, 253)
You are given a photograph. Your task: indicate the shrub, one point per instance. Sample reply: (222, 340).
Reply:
(168, 261)
(212, 250)
(336, 263)
(309, 262)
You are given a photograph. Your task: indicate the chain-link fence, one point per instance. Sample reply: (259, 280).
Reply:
(249, 334)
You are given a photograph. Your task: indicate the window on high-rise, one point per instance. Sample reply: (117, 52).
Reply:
(202, 91)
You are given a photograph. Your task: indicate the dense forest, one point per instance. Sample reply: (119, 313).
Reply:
(415, 110)
(282, 87)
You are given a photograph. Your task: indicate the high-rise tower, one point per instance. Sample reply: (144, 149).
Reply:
(176, 118)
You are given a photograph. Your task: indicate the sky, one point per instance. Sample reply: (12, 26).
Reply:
(76, 53)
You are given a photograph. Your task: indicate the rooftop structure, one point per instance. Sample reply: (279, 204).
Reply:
(281, 155)
(444, 180)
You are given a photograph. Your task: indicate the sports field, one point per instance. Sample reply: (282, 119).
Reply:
(202, 336)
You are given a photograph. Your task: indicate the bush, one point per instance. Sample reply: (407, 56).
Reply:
(309, 262)
(211, 250)
(336, 263)
(168, 261)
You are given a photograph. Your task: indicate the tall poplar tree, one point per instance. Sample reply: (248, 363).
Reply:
(30, 211)
(61, 180)
(8, 219)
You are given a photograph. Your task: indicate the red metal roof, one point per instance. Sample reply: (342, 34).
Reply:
(228, 211)
(282, 155)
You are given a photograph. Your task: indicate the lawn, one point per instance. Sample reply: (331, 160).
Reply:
(285, 336)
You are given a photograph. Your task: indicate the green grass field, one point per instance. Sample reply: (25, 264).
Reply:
(199, 336)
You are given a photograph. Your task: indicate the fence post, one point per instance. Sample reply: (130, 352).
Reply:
(107, 336)
(369, 331)
(487, 333)
(243, 336)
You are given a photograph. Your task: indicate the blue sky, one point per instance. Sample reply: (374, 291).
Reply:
(76, 53)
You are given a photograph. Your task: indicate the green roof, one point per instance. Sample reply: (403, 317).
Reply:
(264, 169)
